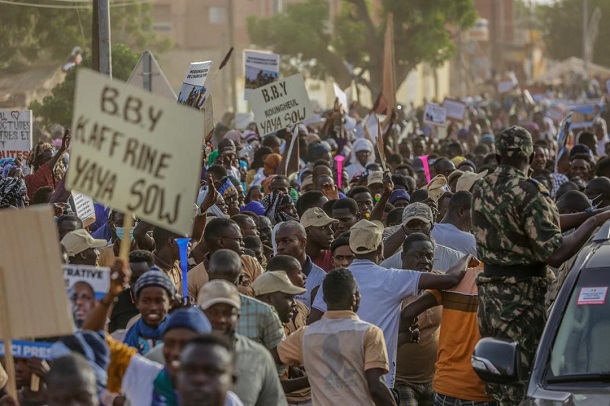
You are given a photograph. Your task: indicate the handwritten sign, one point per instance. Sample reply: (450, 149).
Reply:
(456, 110)
(280, 104)
(84, 208)
(435, 115)
(260, 69)
(193, 91)
(15, 133)
(134, 151)
(29, 349)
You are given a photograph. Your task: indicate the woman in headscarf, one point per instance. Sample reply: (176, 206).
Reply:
(255, 175)
(13, 191)
(279, 207)
(363, 154)
(230, 196)
(48, 167)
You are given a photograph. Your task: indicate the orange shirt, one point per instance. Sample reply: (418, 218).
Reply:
(458, 336)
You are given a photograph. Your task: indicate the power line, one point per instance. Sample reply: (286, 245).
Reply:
(73, 6)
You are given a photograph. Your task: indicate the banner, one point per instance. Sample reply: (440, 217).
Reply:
(260, 69)
(15, 134)
(29, 349)
(280, 105)
(135, 152)
(435, 115)
(193, 91)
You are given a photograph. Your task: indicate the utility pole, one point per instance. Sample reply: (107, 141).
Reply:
(585, 43)
(232, 67)
(100, 38)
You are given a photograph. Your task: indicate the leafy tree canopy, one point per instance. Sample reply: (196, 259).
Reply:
(422, 33)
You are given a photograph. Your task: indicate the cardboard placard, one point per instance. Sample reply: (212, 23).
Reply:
(280, 105)
(456, 110)
(32, 277)
(341, 96)
(135, 152)
(84, 208)
(15, 134)
(435, 115)
(29, 349)
(260, 69)
(193, 91)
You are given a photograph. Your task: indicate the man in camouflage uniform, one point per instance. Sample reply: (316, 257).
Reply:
(516, 226)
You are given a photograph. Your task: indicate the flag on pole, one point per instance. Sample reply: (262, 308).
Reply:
(386, 102)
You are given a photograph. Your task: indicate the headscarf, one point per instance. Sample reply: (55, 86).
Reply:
(399, 194)
(12, 192)
(272, 203)
(7, 166)
(255, 207)
(270, 164)
(355, 167)
(227, 189)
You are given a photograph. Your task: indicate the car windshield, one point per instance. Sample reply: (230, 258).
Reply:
(583, 338)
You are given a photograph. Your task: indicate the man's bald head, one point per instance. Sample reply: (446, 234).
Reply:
(71, 379)
(224, 264)
(292, 226)
(573, 201)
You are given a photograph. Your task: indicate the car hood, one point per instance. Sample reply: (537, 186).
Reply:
(598, 396)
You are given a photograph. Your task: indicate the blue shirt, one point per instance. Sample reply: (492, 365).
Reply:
(315, 276)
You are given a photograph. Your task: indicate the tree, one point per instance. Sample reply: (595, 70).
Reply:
(422, 33)
(563, 25)
(57, 108)
(30, 34)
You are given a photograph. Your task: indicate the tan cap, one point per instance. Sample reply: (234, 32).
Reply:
(374, 177)
(275, 281)
(467, 180)
(218, 291)
(308, 181)
(78, 241)
(437, 187)
(316, 217)
(365, 236)
(455, 174)
(417, 211)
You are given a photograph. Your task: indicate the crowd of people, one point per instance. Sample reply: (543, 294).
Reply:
(365, 285)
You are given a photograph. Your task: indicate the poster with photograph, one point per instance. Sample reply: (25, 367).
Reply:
(456, 110)
(193, 90)
(260, 69)
(85, 284)
(435, 115)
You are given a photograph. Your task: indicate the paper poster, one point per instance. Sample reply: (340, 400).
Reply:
(435, 115)
(592, 296)
(193, 90)
(85, 285)
(341, 96)
(505, 86)
(30, 270)
(126, 152)
(29, 349)
(456, 110)
(280, 104)
(15, 134)
(261, 68)
(84, 208)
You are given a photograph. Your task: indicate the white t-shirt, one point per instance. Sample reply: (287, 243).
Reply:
(139, 379)
(450, 236)
(382, 291)
(444, 258)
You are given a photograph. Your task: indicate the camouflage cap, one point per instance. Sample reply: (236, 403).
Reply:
(515, 141)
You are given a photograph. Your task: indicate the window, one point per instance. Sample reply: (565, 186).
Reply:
(217, 15)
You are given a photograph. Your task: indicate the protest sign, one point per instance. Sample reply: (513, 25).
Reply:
(341, 97)
(15, 134)
(280, 104)
(84, 208)
(505, 86)
(435, 115)
(148, 75)
(260, 68)
(117, 130)
(85, 284)
(193, 91)
(29, 349)
(456, 110)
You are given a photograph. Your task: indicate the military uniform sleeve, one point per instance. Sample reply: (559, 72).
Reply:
(540, 216)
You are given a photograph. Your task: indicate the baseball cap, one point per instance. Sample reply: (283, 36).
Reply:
(467, 180)
(78, 241)
(417, 211)
(218, 291)
(374, 177)
(365, 236)
(316, 217)
(455, 174)
(514, 141)
(275, 281)
(436, 187)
